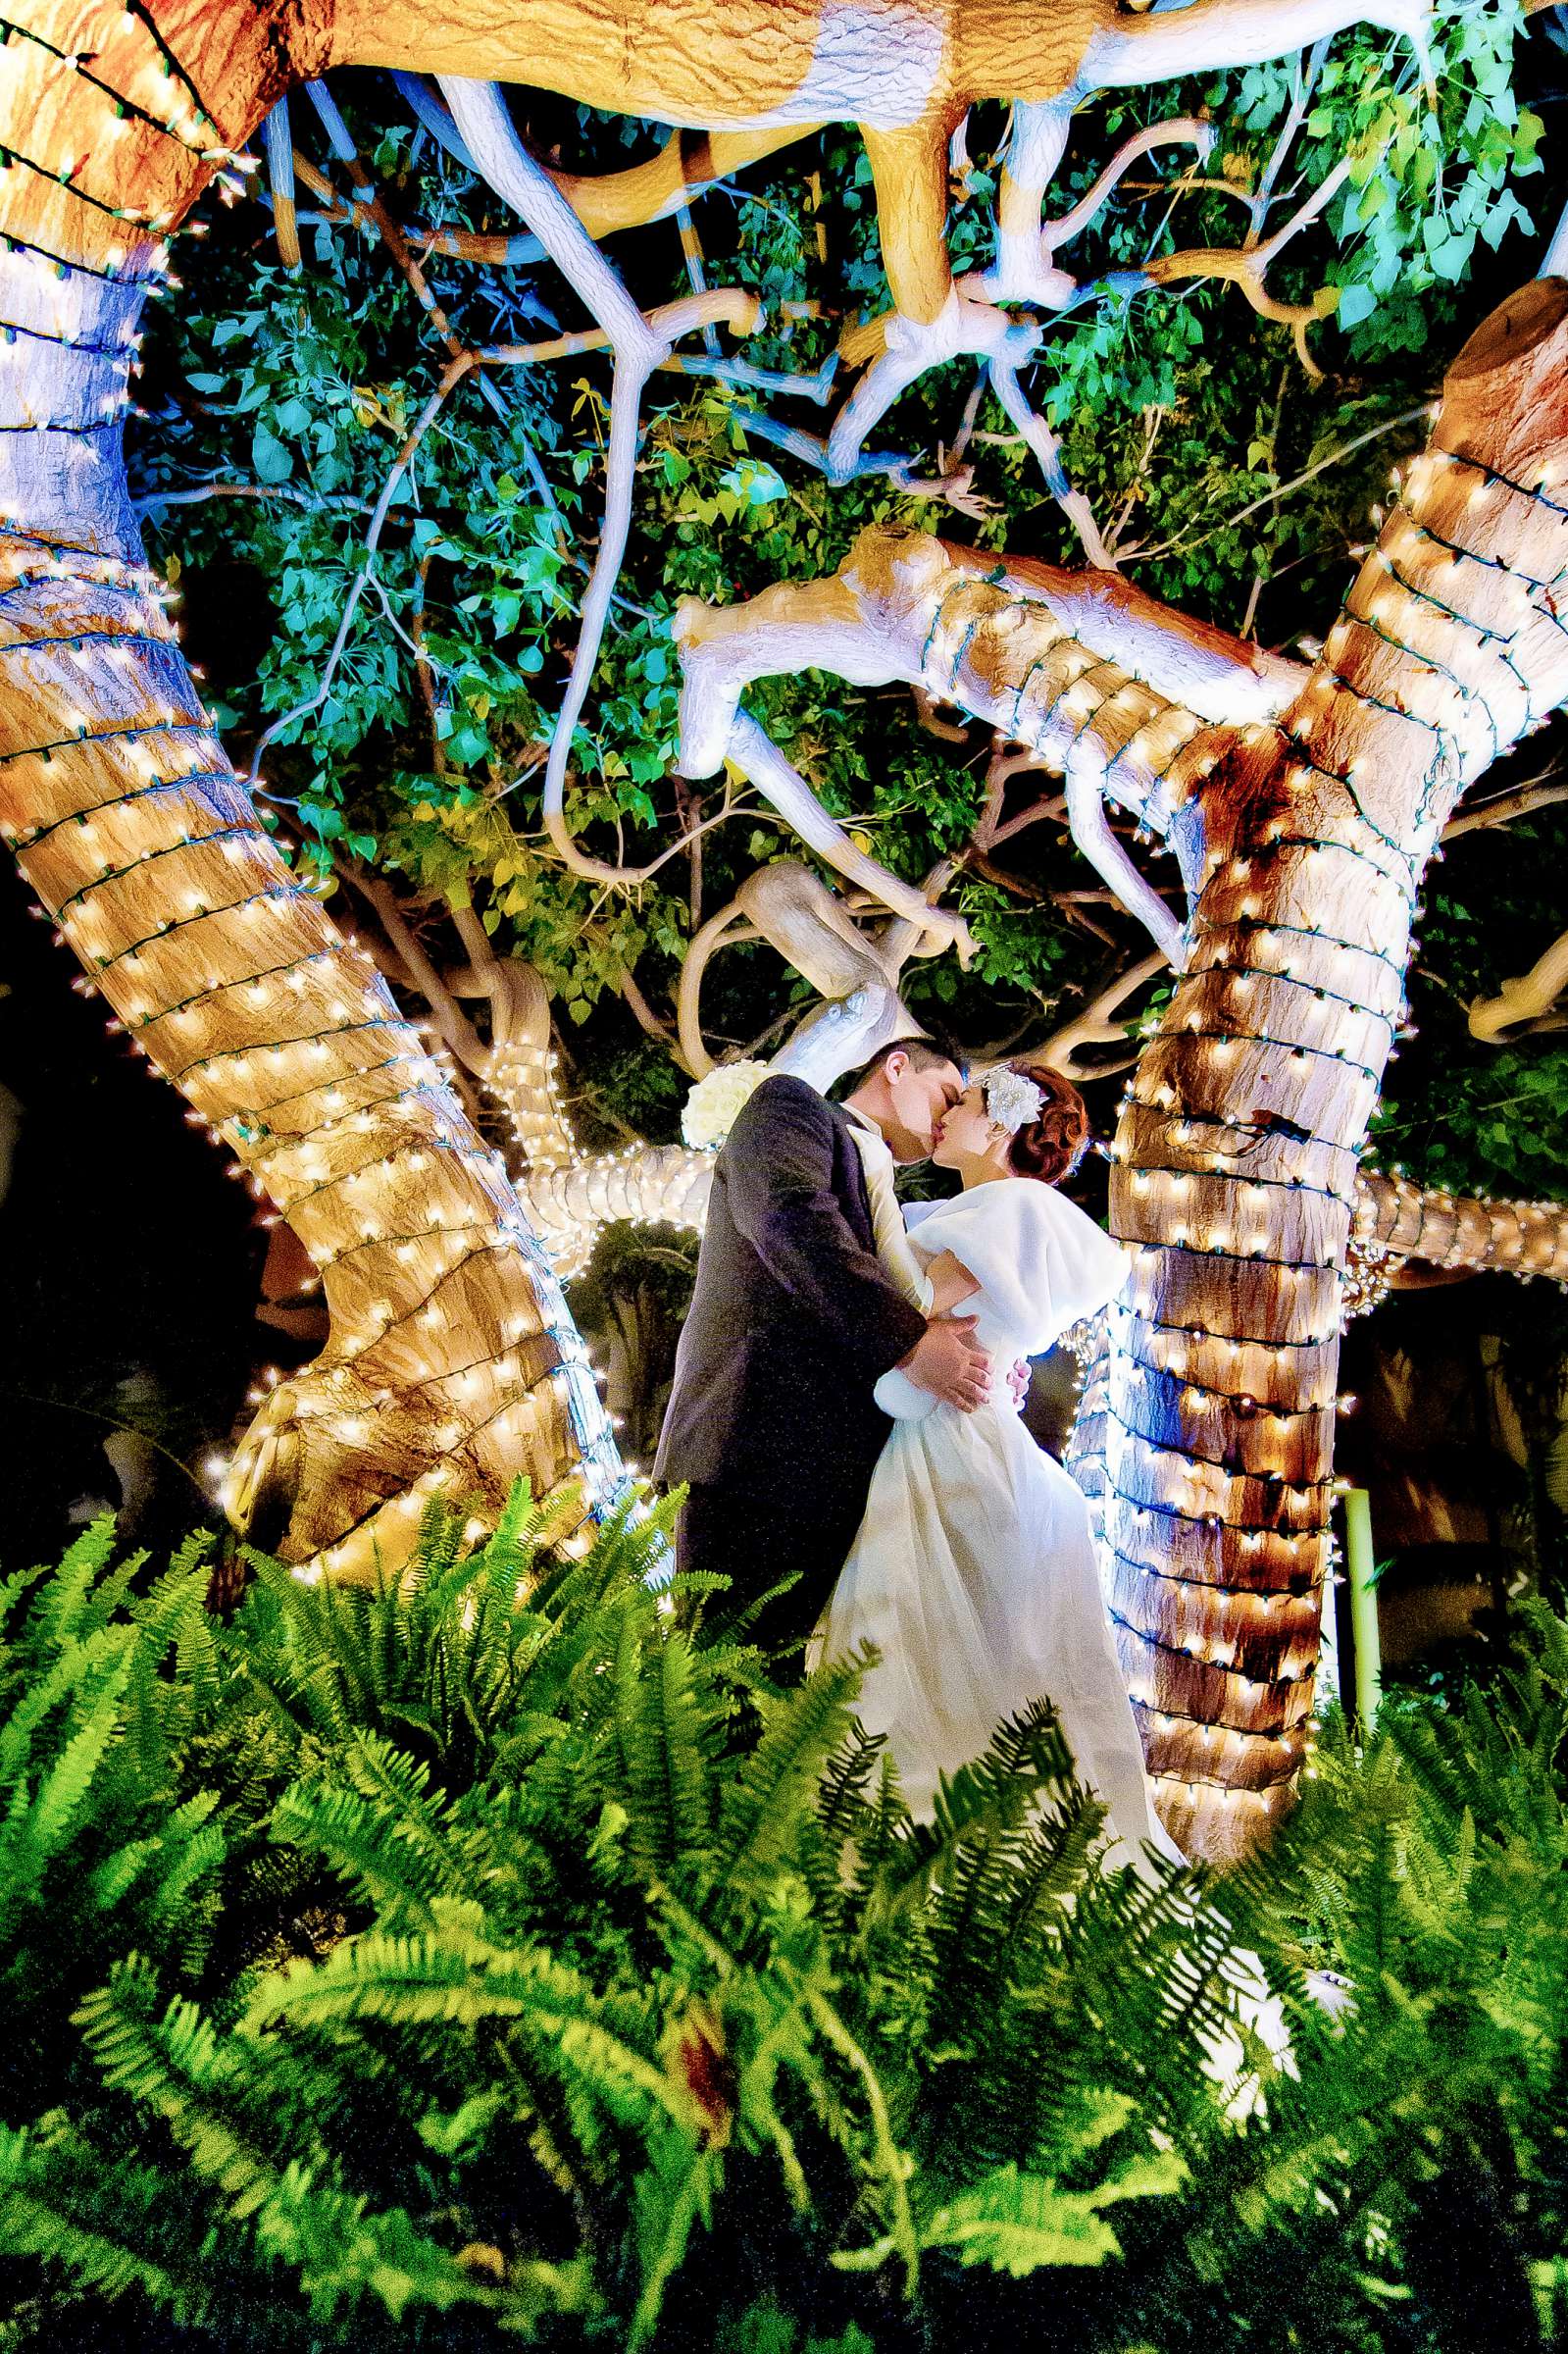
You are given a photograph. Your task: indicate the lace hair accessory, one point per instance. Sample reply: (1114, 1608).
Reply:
(1012, 1099)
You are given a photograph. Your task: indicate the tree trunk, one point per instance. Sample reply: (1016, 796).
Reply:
(451, 1362)
(1302, 846)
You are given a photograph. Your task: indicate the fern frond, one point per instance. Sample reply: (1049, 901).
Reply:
(801, 1732)
(66, 1786)
(673, 2193)
(89, 2224)
(64, 1609)
(1017, 2222)
(372, 1818)
(661, 1736)
(346, 2253)
(73, 1673)
(453, 1975)
(15, 1588)
(174, 2062)
(210, 2093)
(1027, 1763)
(1052, 1866)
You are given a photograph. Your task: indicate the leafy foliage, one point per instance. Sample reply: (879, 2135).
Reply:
(1224, 477)
(1470, 1115)
(628, 2005)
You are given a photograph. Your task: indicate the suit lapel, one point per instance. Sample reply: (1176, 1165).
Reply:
(859, 1193)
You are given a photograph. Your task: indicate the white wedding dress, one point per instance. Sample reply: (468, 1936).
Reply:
(973, 1571)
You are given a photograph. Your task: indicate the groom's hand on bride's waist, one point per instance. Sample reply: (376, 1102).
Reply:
(947, 1361)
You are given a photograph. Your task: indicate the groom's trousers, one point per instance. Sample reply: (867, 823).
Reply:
(755, 1537)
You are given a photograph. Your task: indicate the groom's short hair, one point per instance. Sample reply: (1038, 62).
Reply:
(923, 1053)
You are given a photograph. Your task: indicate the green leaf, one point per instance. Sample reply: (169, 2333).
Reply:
(272, 461)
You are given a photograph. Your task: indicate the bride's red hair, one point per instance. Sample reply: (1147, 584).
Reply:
(1051, 1146)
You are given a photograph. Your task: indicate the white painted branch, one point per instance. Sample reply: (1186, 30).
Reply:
(1092, 835)
(840, 1035)
(518, 1068)
(761, 762)
(1024, 269)
(1022, 272)
(787, 629)
(909, 349)
(451, 376)
(1224, 679)
(1098, 1024)
(791, 907)
(897, 940)
(1053, 659)
(1554, 261)
(1028, 421)
(1523, 1004)
(1211, 35)
(1248, 266)
(480, 111)
(1180, 130)
(723, 930)
(280, 178)
(652, 1185)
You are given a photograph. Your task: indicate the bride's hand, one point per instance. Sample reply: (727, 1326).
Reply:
(950, 1282)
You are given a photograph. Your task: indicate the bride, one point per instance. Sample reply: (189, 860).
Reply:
(974, 1570)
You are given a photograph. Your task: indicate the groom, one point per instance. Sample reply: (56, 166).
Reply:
(770, 1423)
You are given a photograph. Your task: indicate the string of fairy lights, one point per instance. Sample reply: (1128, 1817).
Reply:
(596, 1187)
(1109, 698)
(1066, 680)
(1061, 694)
(570, 1196)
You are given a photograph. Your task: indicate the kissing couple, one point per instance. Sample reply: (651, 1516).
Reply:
(845, 1411)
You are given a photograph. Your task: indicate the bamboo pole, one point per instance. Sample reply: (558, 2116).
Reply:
(1360, 1572)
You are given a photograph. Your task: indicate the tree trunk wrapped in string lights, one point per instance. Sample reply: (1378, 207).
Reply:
(1302, 808)
(1302, 846)
(452, 1361)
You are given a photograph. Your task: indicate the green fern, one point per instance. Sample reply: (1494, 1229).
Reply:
(779, 1781)
(91, 2227)
(1018, 2223)
(490, 1953)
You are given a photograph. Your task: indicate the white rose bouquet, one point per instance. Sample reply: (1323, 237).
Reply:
(714, 1103)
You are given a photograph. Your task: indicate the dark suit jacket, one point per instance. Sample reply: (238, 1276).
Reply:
(792, 1320)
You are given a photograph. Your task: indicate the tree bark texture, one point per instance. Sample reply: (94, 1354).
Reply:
(1302, 843)
(451, 1363)
(1462, 1233)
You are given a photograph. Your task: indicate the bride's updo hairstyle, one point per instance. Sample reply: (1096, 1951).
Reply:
(1051, 1146)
